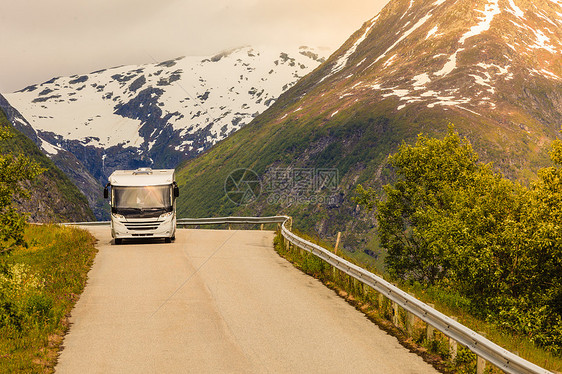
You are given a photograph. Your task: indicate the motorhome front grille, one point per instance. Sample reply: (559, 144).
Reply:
(150, 225)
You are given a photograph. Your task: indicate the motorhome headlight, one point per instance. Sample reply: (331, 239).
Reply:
(166, 215)
(118, 216)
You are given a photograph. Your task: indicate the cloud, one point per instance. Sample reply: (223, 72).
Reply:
(42, 39)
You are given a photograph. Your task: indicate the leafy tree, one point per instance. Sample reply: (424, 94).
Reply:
(14, 171)
(538, 309)
(419, 206)
(451, 221)
(448, 218)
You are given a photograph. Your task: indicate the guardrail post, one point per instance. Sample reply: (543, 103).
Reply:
(395, 315)
(453, 348)
(337, 243)
(261, 227)
(410, 322)
(480, 362)
(334, 270)
(430, 330)
(364, 290)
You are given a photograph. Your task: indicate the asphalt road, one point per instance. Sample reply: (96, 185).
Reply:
(218, 301)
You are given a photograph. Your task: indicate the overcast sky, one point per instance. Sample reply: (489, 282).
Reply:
(42, 39)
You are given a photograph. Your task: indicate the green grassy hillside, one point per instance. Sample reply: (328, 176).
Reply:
(355, 142)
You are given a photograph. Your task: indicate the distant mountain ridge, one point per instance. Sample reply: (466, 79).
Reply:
(493, 68)
(157, 114)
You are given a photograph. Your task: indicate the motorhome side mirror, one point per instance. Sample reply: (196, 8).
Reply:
(176, 190)
(106, 191)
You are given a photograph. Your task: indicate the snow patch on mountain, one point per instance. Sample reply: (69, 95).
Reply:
(390, 61)
(49, 149)
(542, 42)
(490, 11)
(404, 36)
(497, 70)
(342, 61)
(515, 10)
(484, 79)
(431, 97)
(420, 81)
(409, 7)
(543, 73)
(544, 16)
(432, 32)
(450, 65)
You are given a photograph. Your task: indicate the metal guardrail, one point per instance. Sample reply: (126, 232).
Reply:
(203, 221)
(491, 352)
(231, 220)
(93, 223)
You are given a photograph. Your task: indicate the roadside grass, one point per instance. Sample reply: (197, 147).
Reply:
(44, 281)
(380, 311)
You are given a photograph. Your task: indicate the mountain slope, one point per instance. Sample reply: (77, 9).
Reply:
(493, 68)
(53, 196)
(64, 160)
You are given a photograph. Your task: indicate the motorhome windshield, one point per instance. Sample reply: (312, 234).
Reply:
(143, 197)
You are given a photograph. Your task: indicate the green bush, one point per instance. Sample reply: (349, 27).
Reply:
(14, 169)
(22, 301)
(453, 223)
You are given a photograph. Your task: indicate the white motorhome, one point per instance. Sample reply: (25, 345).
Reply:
(143, 204)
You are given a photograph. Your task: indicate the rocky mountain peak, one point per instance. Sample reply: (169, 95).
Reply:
(477, 56)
